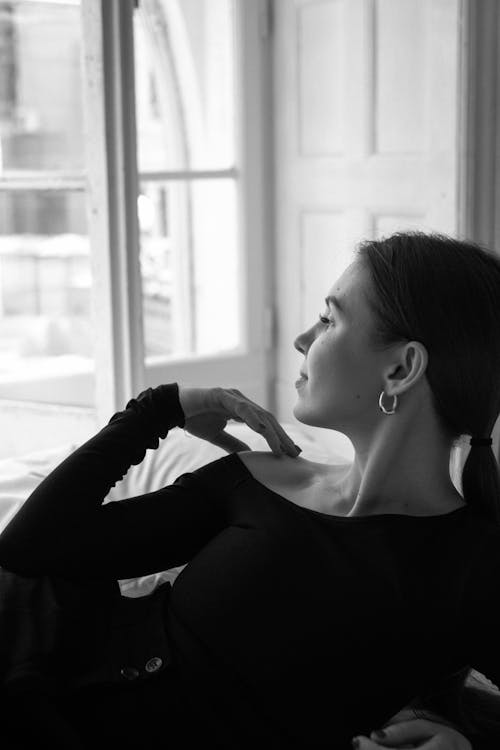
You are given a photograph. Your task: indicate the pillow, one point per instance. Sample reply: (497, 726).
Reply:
(19, 476)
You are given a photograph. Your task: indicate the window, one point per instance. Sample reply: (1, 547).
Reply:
(133, 246)
(45, 275)
(186, 151)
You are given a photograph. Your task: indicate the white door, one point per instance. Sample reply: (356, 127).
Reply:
(366, 126)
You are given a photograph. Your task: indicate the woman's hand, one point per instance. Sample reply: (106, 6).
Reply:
(207, 411)
(403, 731)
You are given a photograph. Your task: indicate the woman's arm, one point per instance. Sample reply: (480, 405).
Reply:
(63, 529)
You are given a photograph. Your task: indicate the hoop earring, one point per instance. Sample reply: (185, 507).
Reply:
(382, 408)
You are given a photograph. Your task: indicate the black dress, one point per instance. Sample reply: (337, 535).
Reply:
(287, 628)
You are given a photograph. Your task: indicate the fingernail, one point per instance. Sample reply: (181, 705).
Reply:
(379, 734)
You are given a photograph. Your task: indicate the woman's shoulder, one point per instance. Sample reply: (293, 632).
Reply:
(264, 464)
(306, 483)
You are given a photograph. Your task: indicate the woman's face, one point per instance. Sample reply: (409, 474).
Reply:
(342, 386)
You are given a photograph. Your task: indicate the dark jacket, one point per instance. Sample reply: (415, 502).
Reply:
(57, 635)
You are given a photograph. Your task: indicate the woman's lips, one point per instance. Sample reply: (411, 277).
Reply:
(300, 381)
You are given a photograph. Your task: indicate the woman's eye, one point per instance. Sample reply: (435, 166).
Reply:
(325, 320)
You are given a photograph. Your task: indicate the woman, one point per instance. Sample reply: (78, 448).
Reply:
(318, 601)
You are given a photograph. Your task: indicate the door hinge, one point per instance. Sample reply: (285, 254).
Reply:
(266, 18)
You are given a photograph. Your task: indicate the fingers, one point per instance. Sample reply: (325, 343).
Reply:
(365, 743)
(262, 425)
(229, 443)
(286, 441)
(267, 425)
(412, 731)
(418, 733)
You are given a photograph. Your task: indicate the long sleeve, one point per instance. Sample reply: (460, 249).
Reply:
(64, 529)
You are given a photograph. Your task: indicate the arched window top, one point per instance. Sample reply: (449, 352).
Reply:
(185, 70)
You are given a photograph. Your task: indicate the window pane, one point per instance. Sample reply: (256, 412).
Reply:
(184, 71)
(40, 86)
(45, 282)
(190, 267)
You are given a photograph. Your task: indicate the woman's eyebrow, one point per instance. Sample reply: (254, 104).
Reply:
(331, 299)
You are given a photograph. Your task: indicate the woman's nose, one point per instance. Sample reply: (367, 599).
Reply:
(304, 340)
(299, 345)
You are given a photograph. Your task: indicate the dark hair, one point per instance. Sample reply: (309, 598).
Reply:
(419, 279)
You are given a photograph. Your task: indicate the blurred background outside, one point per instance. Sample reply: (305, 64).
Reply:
(188, 228)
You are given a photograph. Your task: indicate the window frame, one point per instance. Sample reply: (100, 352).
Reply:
(112, 186)
(249, 369)
(109, 93)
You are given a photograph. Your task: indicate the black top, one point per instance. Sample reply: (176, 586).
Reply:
(288, 627)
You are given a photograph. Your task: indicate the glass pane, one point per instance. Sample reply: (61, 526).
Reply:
(190, 267)
(184, 77)
(45, 283)
(40, 86)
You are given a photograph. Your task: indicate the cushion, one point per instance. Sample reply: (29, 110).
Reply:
(19, 476)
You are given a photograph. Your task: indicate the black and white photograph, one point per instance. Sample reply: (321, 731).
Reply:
(249, 374)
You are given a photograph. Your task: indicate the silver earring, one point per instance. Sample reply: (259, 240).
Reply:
(382, 408)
